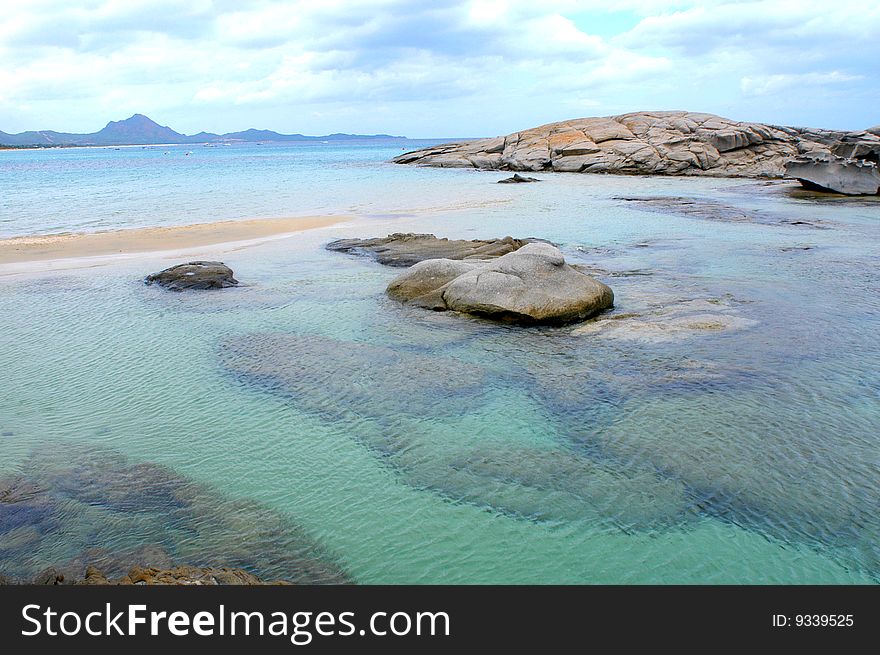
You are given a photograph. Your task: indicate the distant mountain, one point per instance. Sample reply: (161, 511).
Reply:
(137, 129)
(141, 130)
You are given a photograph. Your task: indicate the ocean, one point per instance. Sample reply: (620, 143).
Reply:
(720, 425)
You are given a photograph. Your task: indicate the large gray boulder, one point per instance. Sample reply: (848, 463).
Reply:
(651, 143)
(530, 285)
(194, 275)
(829, 173)
(406, 249)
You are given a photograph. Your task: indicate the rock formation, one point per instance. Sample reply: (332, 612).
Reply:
(848, 175)
(179, 575)
(530, 285)
(648, 143)
(518, 179)
(194, 275)
(401, 249)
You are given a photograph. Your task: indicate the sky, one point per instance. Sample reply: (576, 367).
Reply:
(444, 68)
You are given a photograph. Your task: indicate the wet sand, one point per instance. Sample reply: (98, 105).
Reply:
(18, 250)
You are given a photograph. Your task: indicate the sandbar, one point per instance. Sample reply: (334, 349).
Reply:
(152, 239)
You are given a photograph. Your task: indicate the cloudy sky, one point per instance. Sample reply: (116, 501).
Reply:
(439, 68)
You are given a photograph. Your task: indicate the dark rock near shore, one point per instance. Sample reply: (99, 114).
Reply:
(117, 563)
(178, 575)
(194, 275)
(531, 285)
(406, 249)
(518, 179)
(139, 575)
(49, 576)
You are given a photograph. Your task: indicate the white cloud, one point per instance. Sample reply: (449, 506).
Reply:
(763, 85)
(425, 68)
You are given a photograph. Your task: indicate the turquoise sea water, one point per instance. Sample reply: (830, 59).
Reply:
(719, 425)
(88, 189)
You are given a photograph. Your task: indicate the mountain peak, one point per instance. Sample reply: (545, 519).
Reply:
(137, 129)
(135, 120)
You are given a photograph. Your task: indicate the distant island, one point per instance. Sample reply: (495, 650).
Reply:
(142, 130)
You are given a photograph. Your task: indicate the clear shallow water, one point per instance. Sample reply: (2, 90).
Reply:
(89, 189)
(722, 428)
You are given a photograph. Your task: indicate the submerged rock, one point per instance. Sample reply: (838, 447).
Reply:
(711, 210)
(531, 285)
(179, 575)
(122, 487)
(23, 504)
(341, 377)
(755, 470)
(675, 322)
(550, 484)
(117, 563)
(518, 179)
(852, 177)
(65, 500)
(406, 249)
(138, 575)
(385, 398)
(653, 143)
(194, 275)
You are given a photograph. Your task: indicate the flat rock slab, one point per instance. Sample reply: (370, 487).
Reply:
(531, 285)
(406, 249)
(194, 275)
